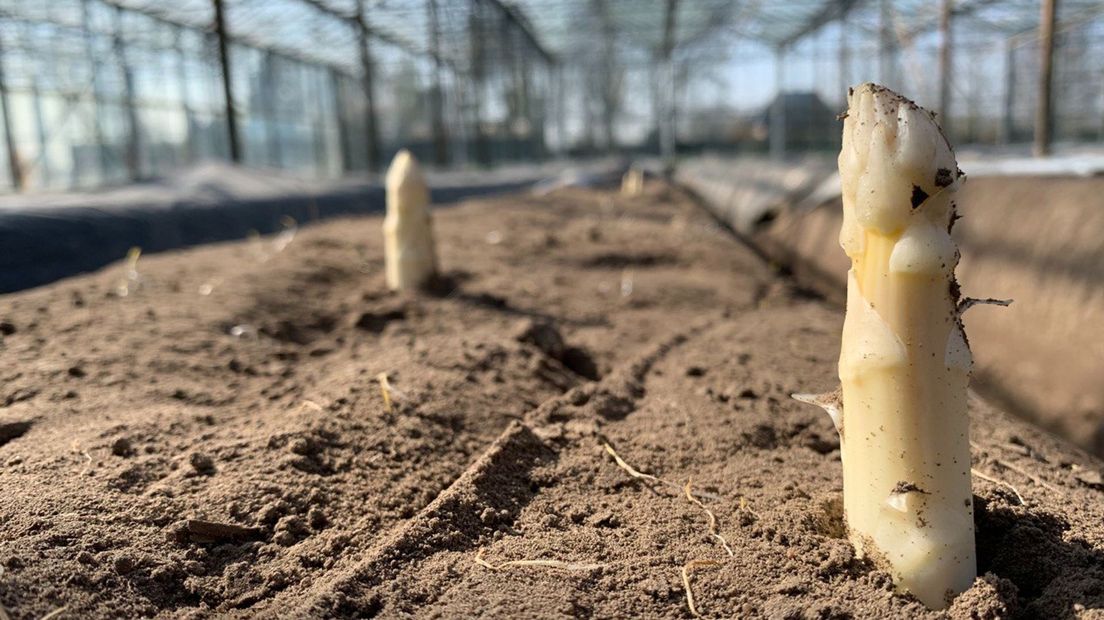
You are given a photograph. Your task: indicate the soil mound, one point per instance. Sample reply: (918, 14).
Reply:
(260, 429)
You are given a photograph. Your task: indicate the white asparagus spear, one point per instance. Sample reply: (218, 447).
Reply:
(904, 362)
(409, 251)
(632, 183)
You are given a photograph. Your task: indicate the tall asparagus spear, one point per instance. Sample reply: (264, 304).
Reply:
(409, 251)
(905, 362)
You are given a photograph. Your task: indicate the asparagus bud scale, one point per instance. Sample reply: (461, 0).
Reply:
(409, 251)
(904, 362)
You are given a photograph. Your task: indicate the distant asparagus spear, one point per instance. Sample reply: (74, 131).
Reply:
(632, 183)
(409, 250)
(904, 362)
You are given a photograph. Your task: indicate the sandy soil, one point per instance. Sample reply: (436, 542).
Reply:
(173, 454)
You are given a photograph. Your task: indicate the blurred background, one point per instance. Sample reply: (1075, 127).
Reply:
(102, 92)
(164, 124)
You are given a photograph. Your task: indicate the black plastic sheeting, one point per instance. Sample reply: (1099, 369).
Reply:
(41, 245)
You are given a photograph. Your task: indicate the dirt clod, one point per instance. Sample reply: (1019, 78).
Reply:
(544, 336)
(123, 564)
(203, 464)
(122, 447)
(991, 598)
(376, 322)
(200, 531)
(1091, 478)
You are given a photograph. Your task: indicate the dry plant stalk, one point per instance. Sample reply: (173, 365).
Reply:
(712, 519)
(678, 488)
(689, 494)
(686, 490)
(904, 361)
(55, 613)
(686, 569)
(1007, 485)
(1009, 466)
(385, 391)
(630, 469)
(570, 566)
(410, 254)
(1026, 474)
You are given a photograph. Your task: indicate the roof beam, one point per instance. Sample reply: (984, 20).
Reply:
(360, 20)
(669, 25)
(517, 16)
(963, 9)
(830, 11)
(281, 52)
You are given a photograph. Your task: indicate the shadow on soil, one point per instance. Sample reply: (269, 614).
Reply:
(1030, 550)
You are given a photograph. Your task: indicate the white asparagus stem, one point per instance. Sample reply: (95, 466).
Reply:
(409, 251)
(632, 183)
(905, 362)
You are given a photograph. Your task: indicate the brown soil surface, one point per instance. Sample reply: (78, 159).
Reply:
(563, 323)
(1033, 240)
